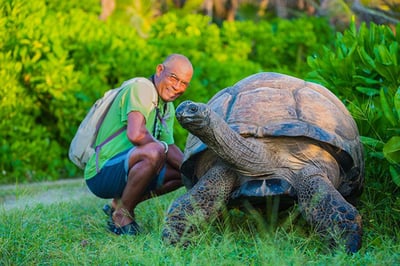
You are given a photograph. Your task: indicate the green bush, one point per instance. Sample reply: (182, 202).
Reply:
(38, 79)
(283, 46)
(56, 61)
(363, 69)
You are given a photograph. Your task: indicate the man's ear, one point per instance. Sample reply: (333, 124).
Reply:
(159, 69)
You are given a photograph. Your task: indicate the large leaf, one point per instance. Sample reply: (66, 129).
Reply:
(396, 101)
(388, 72)
(394, 50)
(366, 80)
(386, 107)
(384, 55)
(391, 150)
(375, 143)
(367, 91)
(395, 173)
(366, 58)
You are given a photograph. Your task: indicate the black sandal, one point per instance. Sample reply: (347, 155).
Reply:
(108, 210)
(129, 229)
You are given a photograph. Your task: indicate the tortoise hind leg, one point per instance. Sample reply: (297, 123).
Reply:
(325, 208)
(199, 205)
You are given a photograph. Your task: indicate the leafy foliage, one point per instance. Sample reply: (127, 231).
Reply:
(36, 99)
(363, 69)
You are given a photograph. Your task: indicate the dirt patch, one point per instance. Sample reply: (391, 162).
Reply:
(27, 195)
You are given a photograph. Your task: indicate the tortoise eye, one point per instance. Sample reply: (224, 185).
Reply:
(193, 108)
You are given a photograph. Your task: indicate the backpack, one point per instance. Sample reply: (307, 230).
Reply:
(82, 145)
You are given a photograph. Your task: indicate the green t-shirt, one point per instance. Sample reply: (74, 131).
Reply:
(138, 96)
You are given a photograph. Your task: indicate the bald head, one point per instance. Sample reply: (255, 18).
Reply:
(178, 60)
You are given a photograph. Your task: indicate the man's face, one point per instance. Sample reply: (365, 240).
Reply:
(172, 82)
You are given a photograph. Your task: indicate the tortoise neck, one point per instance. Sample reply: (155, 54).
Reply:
(245, 155)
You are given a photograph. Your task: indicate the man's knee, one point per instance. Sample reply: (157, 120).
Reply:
(152, 152)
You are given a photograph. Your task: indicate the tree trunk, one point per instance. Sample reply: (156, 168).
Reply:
(107, 8)
(281, 8)
(372, 15)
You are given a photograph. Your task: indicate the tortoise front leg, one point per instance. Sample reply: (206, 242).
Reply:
(200, 204)
(325, 208)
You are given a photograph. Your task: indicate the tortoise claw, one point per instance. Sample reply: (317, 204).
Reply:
(352, 235)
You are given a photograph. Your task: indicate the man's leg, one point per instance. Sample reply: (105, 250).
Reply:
(144, 164)
(172, 181)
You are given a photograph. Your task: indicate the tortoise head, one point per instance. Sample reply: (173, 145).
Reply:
(193, 116)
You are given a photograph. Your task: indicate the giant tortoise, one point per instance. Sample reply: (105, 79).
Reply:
(271, 134)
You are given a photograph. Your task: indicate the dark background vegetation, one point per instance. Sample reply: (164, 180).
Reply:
(58, 57)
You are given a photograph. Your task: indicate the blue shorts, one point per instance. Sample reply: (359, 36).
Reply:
(110, 182)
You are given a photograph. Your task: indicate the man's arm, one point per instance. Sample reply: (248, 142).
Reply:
(136, 130)
(174, 156)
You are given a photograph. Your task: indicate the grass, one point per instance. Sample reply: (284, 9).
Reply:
(71, 231)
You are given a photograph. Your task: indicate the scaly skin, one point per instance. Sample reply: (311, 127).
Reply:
(203, 201)
(321, 204)
(325, 208)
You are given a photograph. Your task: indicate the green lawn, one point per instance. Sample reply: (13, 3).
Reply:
(62, 224)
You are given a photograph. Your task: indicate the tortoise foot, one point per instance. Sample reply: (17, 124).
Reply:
(326, 209)
(352, 235)
(176, 225)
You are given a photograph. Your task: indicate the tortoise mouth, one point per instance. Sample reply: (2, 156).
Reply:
(192, 115)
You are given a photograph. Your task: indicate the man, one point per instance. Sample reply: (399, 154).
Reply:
(142, 161)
